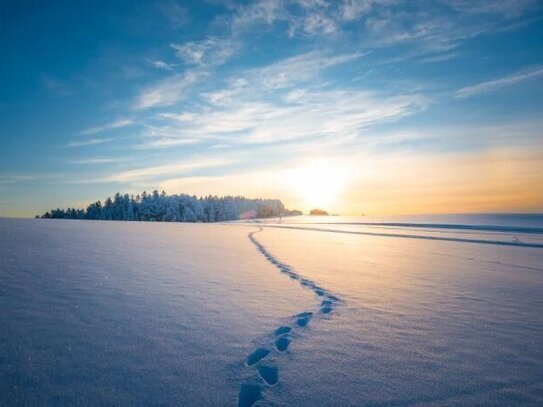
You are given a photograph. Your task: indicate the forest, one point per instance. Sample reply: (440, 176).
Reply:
(161, 207)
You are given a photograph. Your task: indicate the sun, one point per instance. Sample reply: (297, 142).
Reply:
(319, 184)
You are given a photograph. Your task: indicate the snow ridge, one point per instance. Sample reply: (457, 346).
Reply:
(279, 340)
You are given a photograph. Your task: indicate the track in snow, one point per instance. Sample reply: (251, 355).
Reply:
(278, 341)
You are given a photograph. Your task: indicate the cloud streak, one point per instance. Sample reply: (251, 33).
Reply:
(97, 160)
(117, 124)
(209, 52)
(145, 173)
(159, 64)
(14, 178)
(493, 85)
(326, 114)
(168, 91)
(285, 101)
(90, 142)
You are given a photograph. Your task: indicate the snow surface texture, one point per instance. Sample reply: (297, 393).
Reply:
(122, 313)
(102, 313)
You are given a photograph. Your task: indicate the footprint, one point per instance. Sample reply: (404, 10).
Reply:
(257, 356)
(282, 343)
(282, 330)
(305, 314)
(306, 282)
(270, 374)
(303, 321)
(319, 291)
(249, 394)
(326, 309)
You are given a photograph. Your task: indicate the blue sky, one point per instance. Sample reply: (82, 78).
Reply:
(423, 106)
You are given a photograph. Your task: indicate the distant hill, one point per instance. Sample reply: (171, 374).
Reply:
(318, 212)
(294, 212)
(160, 207)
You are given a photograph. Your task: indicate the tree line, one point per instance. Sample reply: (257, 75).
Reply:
(160, 207)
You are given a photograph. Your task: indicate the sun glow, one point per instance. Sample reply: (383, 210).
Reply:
(319, 184)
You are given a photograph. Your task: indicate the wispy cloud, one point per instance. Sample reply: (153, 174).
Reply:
(209, 52)
(246, 17)
(312, 16)
(168, 91)
(298, 70)
(283, 101)
(436, 27)
(431, 34)
(97, 160)
(489, 86)
(89, 142)
(159, 64)
(440, 58)
(162, 142)
(300, 115)
(353, 9)
(507, 8)
(162, 170)
(9, 179)
(316, 18)
(108, 126)
(201, 56)
(14, 178)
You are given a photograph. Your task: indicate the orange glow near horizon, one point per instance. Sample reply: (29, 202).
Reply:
(499, 180)
(395, 184)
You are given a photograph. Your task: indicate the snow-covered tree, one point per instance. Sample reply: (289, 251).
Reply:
(161, 207)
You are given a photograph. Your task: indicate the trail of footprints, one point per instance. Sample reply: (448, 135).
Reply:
(280, 339)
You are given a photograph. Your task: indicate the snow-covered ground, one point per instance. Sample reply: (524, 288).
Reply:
(96, 313)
